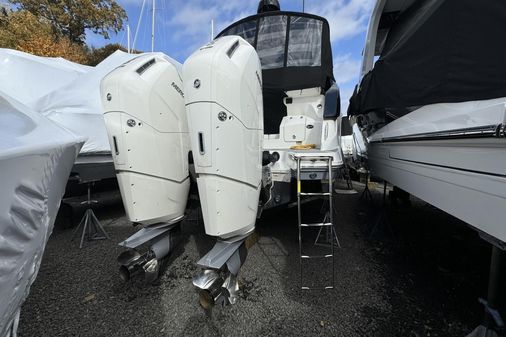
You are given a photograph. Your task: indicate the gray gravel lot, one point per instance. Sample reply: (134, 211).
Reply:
(404, 281)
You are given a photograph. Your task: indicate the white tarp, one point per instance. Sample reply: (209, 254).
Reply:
(26, 77)
(66, 92)
(78, 107)
(36, 156)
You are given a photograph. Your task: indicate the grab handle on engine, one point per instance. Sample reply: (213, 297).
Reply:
(201, 143)
(115, 145)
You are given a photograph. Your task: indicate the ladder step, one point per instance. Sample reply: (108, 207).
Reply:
(319, 193)
(314, 158)
(316, 256)
(320, 224)
(317, 288)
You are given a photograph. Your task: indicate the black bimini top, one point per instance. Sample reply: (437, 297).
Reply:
(294, 48)
(437, 51)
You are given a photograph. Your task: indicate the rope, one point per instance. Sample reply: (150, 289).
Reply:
(303, 147)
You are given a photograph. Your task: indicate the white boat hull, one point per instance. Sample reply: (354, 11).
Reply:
(464, 177)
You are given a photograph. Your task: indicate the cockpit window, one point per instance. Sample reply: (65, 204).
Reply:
(304, 48)
(247, 30)
(304, 42)
(271, 41)
(294, 48)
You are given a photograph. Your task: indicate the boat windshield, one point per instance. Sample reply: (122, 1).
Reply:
(285, 40)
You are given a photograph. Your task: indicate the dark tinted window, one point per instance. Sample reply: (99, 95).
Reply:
(305, 42)
(247, 30)
(271, 41)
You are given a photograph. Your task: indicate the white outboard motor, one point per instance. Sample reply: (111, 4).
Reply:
(223, 87)
(146, 122)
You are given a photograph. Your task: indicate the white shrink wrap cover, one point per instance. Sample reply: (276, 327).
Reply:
(36, 156)
(65, 92)
(26, 77)
(78, 107)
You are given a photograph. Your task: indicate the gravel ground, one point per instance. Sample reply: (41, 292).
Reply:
(419, 274)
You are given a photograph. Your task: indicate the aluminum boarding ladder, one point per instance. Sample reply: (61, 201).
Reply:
(323, 224)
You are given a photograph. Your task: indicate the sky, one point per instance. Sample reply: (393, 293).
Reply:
(182, 26)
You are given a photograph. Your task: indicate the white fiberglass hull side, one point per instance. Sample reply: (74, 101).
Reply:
(476, 197)
(36, 157)
(452, 156)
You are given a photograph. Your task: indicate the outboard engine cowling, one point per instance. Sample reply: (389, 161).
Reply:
(223, 87)
(146, 122)
(225, 117)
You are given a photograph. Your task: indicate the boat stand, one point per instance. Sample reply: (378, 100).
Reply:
(92, 229)
(382, 219)
(366, 193)
(492, 322)
(344, 176)
(329, 235)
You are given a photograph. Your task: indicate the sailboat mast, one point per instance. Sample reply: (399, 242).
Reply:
(139, 23)
(153, 27)
(128, 39)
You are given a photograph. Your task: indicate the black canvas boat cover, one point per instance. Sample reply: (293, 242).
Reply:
(346, 129)
(294, 48)
(437, 51)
